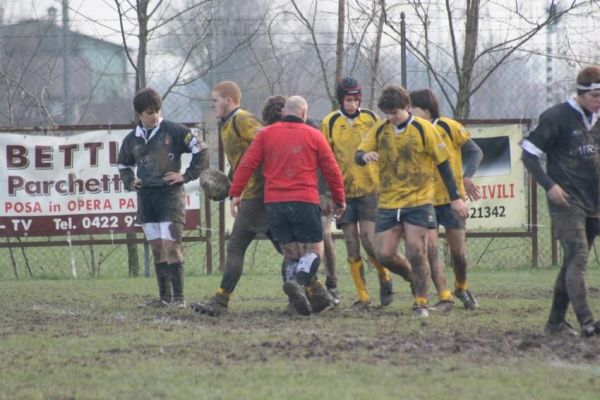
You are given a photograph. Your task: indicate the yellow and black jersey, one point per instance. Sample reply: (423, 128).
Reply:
(454, 136)
(344, 135)
(237, 132)
(407, 161)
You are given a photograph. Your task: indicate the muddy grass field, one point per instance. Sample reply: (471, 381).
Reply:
(92, 339)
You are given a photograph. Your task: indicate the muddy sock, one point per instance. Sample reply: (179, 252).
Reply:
(223, 296)
(420, 301)
(358, 276)
(165, 290)
(382, 272)
(176, 273)
(445, 295)
(288, 269)
(331, 282)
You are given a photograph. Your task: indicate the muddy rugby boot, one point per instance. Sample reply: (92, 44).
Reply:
(591, 329)
(336, 296)
(420, 311)
(334, 293)
(359, 306)
(386, 293)
(443, 306)
(178, 303)
(317, 296)
(561, 329)
(297, 295)
(157, 303)
(289, 309)
(467, 298)
(215, 306)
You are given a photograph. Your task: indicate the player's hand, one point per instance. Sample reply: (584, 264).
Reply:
(338, 209)
(233, 206)
(460, 208)
(325, 203)
(472, 189)
(137, 185)
(370, 156)
(173, 177)
(558, 196)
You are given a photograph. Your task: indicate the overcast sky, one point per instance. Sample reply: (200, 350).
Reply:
(97, 18)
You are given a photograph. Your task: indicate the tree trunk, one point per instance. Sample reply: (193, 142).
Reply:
(376, 53)
(140, 83)
(465, 79)
(339, 48)
(142, 15)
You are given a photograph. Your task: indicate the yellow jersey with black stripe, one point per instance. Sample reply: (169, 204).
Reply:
(407, 161)
(344, 135)
(237, 132)
(454, 136)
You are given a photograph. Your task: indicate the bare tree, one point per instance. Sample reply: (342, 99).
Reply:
(355, 49)
(370, 47)
(465, 53)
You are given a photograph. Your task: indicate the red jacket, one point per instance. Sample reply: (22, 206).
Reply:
(290, 153)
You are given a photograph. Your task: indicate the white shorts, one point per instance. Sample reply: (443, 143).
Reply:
(158, 230)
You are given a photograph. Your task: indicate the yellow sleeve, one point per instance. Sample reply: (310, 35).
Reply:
(325, 129)
(370, 142)
(435, 144)
(246, 126)
(460, 135)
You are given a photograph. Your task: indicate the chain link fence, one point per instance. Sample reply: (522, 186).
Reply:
(55, 76)
(65, 257)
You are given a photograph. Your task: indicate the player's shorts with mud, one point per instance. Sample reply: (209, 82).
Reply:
(387, 218)
(357, 209)
(295, 221)
(161, 204)
(446, 217)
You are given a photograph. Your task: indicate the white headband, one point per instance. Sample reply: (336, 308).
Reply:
(589, 87)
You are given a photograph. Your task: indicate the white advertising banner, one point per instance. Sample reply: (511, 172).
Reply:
(501, 179)
(55, 185)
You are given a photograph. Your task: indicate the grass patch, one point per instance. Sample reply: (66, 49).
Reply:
(90, 338)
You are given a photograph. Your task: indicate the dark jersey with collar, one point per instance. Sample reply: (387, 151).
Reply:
(572, 146)
(159, 151)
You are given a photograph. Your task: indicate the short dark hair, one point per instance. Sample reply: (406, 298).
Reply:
(392, 98)
(147, 98)
(426, 100)
(590, 74)
(272, 109)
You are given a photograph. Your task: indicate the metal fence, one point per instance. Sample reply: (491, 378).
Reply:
(107, 255)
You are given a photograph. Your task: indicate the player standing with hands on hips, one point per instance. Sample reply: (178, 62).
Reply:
(155, 147)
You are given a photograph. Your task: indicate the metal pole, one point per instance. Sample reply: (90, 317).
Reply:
(549, 61)
(221, 208)
(534, 222)
(146, 259)
(403, 48)
(67, 119)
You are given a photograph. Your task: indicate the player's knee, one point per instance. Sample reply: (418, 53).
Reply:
(176, 231)
(366, 242)
(308, 265)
